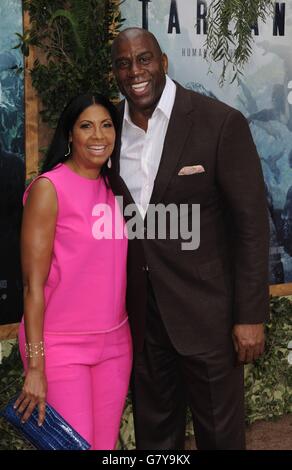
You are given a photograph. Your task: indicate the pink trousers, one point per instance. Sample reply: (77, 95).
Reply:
(88, 377)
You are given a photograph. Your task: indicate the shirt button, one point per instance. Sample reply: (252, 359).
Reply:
(145, 268)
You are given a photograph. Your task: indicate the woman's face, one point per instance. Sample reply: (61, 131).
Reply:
(93, 138)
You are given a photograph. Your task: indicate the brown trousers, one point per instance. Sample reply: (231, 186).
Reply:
(165, 383)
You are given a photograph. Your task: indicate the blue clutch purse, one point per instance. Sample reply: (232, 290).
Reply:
(54, 434)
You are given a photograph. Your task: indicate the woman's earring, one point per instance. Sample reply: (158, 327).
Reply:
(109, 163)
(69, 150)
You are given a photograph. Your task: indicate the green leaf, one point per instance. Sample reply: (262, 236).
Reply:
(222, 14)
(74, 25)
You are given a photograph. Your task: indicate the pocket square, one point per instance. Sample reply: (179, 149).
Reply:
(191, 170)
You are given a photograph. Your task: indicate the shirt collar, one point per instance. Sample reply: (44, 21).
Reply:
(167, 98)
(165, 103)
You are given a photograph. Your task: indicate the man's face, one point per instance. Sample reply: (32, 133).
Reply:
(139, 68)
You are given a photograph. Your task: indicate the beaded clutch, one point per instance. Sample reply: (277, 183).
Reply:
(54, 434)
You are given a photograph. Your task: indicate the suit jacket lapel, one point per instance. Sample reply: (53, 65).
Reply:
(178, 129)
(116, 160)
(119, 187)
(117, 183)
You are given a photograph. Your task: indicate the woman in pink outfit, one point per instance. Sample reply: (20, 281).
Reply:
(74, 339)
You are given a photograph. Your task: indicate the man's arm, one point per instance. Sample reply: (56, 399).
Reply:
(240, 178)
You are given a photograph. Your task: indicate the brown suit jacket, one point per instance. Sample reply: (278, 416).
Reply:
(202, 293)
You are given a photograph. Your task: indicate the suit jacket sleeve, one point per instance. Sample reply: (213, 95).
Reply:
(240, 178)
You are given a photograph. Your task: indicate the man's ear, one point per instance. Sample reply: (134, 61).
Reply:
(165, 63)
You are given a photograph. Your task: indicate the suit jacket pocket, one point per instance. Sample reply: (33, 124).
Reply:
(188, 189)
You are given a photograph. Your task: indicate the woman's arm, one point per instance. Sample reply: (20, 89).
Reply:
(37, 238)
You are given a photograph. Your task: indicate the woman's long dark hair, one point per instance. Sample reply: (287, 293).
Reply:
(59, 145)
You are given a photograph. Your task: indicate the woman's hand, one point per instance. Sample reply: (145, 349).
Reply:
(33, 393)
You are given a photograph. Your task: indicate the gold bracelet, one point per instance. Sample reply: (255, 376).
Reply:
(34, 349)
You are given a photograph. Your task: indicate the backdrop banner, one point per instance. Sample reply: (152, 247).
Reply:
(263, 94)
(11, 160)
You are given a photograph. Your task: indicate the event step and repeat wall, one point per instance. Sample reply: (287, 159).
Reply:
(263, 94)
(12, 172)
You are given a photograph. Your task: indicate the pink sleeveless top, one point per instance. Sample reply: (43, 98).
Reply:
(86, 286)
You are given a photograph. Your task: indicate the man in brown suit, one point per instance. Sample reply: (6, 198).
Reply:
(196, 315)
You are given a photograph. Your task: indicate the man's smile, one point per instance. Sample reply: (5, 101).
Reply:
(139, 88)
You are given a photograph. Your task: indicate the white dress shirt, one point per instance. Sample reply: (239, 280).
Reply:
(141, 151)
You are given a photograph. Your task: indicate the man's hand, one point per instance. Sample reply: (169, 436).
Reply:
(249, 342)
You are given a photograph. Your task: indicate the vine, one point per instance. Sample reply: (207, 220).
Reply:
(229, 36)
